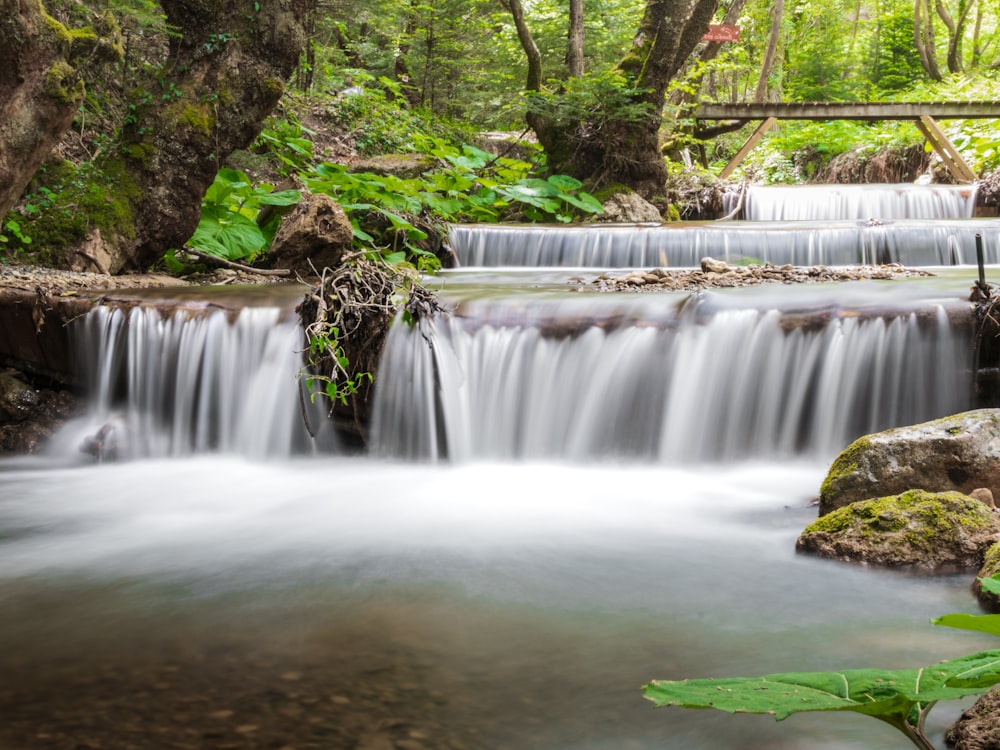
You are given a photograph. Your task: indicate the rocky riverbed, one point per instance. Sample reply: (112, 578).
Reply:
(719, 274)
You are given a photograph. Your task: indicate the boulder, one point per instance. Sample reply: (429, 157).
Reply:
(317, 230)
(978, 728)
(629, 208)
(936, 532)
(959, 453)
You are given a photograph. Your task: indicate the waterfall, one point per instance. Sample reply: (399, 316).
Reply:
(913, 242)
(719, 385)
(881, 202)
(178, 385)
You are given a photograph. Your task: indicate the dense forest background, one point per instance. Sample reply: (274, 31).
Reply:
(255, 108)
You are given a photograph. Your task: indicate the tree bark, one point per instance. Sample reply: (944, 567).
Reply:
(574, 55)
(40, 91)
(923, 37)
(229, 62)
(777, 12)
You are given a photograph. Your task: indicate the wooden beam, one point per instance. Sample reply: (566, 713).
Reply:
(945, 149)
(747, 147)
(849, 111)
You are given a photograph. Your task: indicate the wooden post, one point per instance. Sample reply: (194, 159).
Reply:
(945, 149)
(747, 147)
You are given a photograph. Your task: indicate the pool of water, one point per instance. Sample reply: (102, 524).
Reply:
(217, 602)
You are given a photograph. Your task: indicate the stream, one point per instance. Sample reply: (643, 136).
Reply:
(567, 494)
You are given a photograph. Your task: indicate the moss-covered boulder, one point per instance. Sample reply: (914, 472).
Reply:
(944, 531)
(958, 453)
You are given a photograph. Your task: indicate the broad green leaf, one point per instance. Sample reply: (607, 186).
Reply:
(992, 584)
(979, 623)
(565, 182)
(281, 198)
(585, 202)
(887, 694)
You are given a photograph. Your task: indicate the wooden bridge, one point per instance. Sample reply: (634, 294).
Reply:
(923, 114)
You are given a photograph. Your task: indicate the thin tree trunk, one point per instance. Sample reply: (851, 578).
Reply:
(534, 77)
(767, 66)
(574, 53)
(709, 52)
(923, 37)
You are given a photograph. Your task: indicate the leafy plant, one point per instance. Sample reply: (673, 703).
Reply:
(229, 226)
(901, 698)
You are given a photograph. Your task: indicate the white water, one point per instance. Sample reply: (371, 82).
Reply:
(515, 596)
(815, 202)
(181, 385)
(720, 380)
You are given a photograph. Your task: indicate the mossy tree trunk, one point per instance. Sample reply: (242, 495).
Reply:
(228, 64)
(40, 91)
(624, 149)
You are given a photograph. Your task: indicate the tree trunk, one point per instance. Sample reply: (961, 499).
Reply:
(39, 89)
(574, 56)
(777, 12)
(923, 37)
(709, 52)
(618, 141)
(228, 65)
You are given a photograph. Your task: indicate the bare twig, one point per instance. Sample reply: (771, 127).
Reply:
(237, 266)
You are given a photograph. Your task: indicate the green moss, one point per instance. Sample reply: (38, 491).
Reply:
(66, 202)
(916, 517)
(61, 84)
(188, 116)
(845, 464)
(63, 34)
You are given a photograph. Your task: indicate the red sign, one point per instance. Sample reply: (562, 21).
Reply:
(722, 32)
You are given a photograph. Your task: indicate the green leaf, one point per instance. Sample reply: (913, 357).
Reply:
(890, 695)
(991, 584)
(281, 198)
(565, 182)
(585, 202)
(978, 623)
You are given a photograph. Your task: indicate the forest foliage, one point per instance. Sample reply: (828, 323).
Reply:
(427, 78)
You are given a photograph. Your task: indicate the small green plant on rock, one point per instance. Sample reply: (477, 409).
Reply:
(901, 698)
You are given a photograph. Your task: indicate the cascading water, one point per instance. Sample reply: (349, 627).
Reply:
(706, 385)
(178, 385)
(627, 475)
(818, 202)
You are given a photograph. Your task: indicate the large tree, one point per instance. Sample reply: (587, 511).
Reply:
(226, 66)
(617, 139)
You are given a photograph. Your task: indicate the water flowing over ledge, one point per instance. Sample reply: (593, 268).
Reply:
(912, 242)
(701, 384)
(880, 202)
(181, 384)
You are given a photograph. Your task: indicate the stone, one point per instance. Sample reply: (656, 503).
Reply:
(959, 453)
(991, 567)
(18, 400)
(629, 208)
(404, 166)
(934, 532)
(315, 233)
(978, 728)
(711, 265)
(983, 495)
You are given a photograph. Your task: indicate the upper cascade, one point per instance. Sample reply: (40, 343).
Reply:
(867, 202)
(912, 242)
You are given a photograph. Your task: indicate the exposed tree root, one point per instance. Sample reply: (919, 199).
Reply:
(346, 318)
